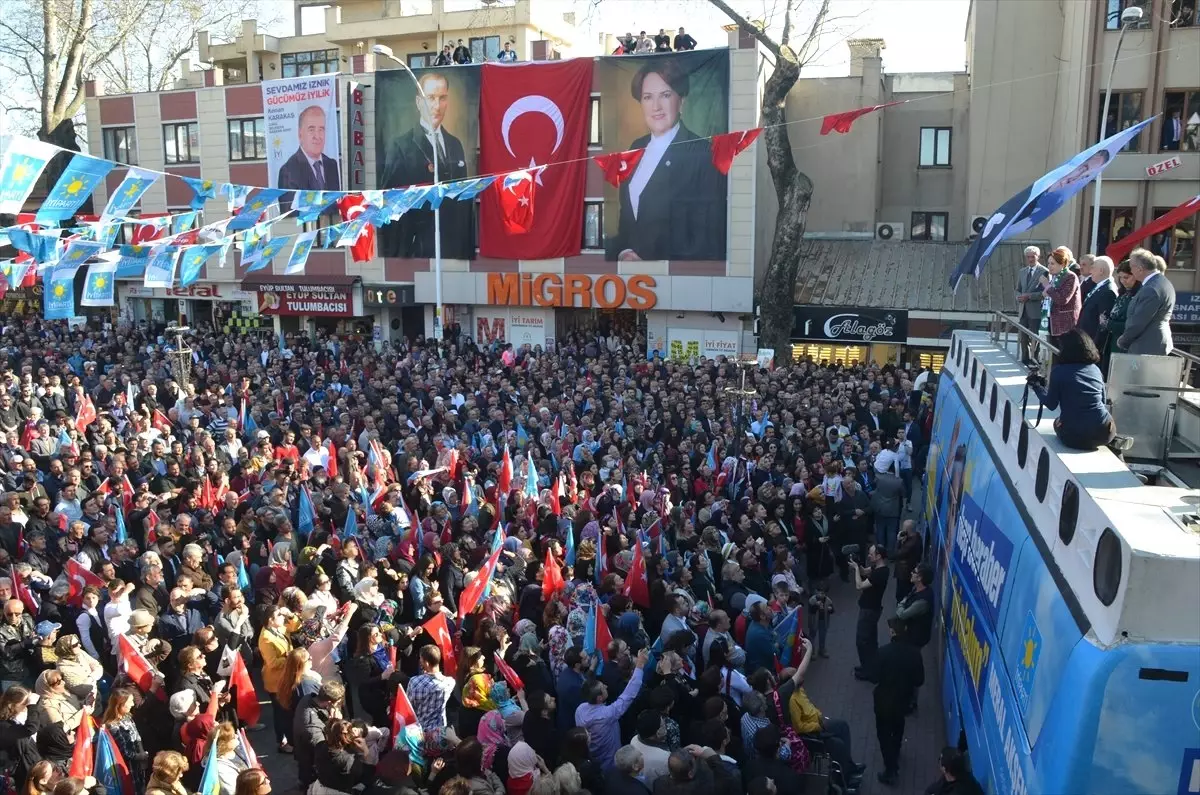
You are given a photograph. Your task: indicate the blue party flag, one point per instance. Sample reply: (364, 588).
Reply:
(99, 286)
(711, 460)
(74, 186)
(309, 204)
(111, 769)
(160, 270)
(210, 783)
(120, 534)
(136, 182)
(307, 514)
(202, 191)
(183, 222)
(270, 248)
(42, 246)
(300, 252)
(191, 260)
(787, 634)
(58, 299)
(522, 435)
(531, 478)
(351, 528)
(250, 212)
(243, 579)
(468, 189)
(23, 162)
(570, 554)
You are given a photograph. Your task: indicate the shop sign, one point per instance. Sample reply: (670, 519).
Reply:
(849, 324)
(572, 290)
(385, 295)
(527, 329)
(200, 292)
(356, 172)
(318, 300)
(1187, 308)
(1163, 166)
(690, 345)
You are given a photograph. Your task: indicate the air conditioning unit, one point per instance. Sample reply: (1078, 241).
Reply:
(889, 230)
(978, 224)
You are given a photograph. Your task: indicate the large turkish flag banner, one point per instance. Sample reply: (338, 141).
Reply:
(533, 115)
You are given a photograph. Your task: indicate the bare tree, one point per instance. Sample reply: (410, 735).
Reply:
(793, 188)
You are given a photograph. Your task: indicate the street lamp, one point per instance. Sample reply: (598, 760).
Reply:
(386, 52)
(1129, 17)
(742, 394)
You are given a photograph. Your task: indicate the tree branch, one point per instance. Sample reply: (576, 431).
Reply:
(786, 36)
(748, 26)
(814, 33)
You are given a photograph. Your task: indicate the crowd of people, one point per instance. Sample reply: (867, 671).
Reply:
(662, 42)
(456, 569)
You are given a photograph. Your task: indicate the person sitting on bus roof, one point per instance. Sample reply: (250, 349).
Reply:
(1076, 389)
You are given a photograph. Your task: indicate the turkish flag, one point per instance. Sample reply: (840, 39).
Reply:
(402, 712)
(86, 416)
(151, 522)
(840, 122)
(26, 221)
(470, 595)
(161, 422)
(1124, 247)
(78, 578)
(144, 233)
(515, 192)
(248, 709)
(728, 146)
(134, 664)
(510, 676)
(556, 491)
(84, 757)
(619, 166)
(439, 629)
(604, 636)
(533, 115)
(552, 581)
(351, 206)
(637, 587)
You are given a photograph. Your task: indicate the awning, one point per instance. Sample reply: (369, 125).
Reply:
(266, 277)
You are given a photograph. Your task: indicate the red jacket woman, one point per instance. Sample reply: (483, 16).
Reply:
(1063, 288)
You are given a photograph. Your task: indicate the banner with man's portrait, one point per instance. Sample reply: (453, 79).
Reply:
(407, 128)
(303, 150)
(673, 205)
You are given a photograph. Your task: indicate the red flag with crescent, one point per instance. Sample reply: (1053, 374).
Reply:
(439, 629)
(78, 578)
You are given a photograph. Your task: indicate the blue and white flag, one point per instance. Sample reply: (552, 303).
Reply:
(1042, 199)
(191, 260)
(78, 180)
(235, 196)
(80, 251)
(136, 182)
(249, 214)
(309, 204)
(300, 251)
(58, 299)
(183, 222)
(132, 261)
(352, 231)
(270, 248)
(42, 246)
(15, 272)
(160, 270)
(23, 163)
(330, 235)
(98, 287)
(202, 191)
(468, 189)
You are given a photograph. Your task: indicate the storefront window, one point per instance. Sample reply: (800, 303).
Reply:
(931, 361)
(832, 354)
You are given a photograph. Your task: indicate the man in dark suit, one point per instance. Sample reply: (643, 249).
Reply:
(310, 168)
(1172, 131)
(409, 161)
(1029, 297)
(1148, 320)
(1099, 302)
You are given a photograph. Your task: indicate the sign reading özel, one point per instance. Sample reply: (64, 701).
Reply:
(1165, 165)
(572, 290)
(304, 299)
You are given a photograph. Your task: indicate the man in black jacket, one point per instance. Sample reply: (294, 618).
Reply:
(1099, 302)
(623, 778)
(308, 727)
(900, 672)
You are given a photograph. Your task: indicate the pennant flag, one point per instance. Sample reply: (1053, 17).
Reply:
(134, 664)
(111, 769)
(1121, 249)
(515, 197)
(99, 286)
(58, 299)
(402, 713)
(191, 260)
(728, 146)
(351, 528)
(183, 222)
(309, 204)
(81, 176)
(787, 638)
(467, 189)
(840, 122)
(637, 587)
(307, 514)
(270, 248)
(300, 252)
(438, 628)
(16, 272)
(235, 197)
(84, 756)
(248, 709)
(252, 210)
(86, 415)
(79, 251)
(210, 782)
(510, 676)
(1042, 199)
(619, 166)
(160, 270)
(202, 191)
(132, 261)
(397, 202)
(552, 579)
(569, 557)
(136, 182)
(38, 246)
(23, 162)
(121, 535)
(531, 478)
(470, 595)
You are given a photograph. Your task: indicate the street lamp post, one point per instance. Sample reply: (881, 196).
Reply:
(739, 413)
(386, 52)
(1129, 17)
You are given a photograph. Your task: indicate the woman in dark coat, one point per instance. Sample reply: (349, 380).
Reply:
(339, 759)
(368, 672)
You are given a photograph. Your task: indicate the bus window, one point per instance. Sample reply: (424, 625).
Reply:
(1022, 445)
(1106, 571)
(1042, 481)
(1068, 513)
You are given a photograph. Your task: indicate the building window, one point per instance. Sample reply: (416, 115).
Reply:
(484, 48)
(929, 226)
(1112, 17)
(316, 62)
(181, 142)
(1115, 223)
(935, 147)
(247, 139)
(594, 125)
(1124, 111)
(1181, 122)
(1176, 245)
(593, 224)
(1183, 14)
(120, 145)
(420, 60)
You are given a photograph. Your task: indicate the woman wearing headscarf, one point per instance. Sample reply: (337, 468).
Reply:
(524, 768)
(476, 691)
(511, 709)
(557, 637)
(493, 736)
(347, 573)
(63, 712)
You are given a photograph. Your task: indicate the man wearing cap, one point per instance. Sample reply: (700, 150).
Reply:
(17, 639)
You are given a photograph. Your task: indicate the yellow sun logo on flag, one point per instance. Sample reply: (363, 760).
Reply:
(20, 171)
(99, 283)
(257, 205)
(1030, 648)
(78, 254)
(60, 290)
(75, 186)
(134, 187)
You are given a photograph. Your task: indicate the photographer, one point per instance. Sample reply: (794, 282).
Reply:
(871, 581)
(1076, 389)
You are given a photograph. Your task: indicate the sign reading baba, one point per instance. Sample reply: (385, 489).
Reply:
(572, 290)
(304, 299)
(849, 324)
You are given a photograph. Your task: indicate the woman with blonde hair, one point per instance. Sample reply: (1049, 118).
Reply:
(63, 713)
(118, 719)
(1060, 312)
(78, 668)
(299, 679)
(166, 774)
(229, 764)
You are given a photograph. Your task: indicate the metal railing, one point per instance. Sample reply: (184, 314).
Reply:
(1001, 328)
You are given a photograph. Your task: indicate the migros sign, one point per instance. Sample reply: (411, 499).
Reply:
(571, 290)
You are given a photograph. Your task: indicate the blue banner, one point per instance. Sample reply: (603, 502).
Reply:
(137, 181)
(43, 247)
(78, 180)
(58, 299)
(80, 251)
(98, 286)
(1042, 199)
(191, 260)
(202, 191)
(133, 261)
(309, 204)
(183, 222)
(984, 557)
(300, 252)
(23, 163)
(160, 270)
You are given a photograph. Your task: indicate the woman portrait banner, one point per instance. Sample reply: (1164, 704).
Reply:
(405, 134)
(673, 206)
